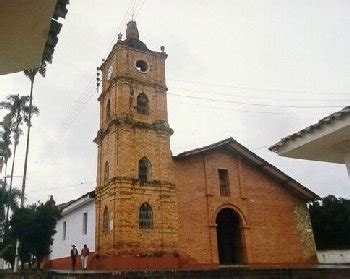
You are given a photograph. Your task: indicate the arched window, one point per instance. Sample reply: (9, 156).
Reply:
(108, 111)
(145, 216)
(142, 104)
(144, 170)
(105, 220)
(106, 172)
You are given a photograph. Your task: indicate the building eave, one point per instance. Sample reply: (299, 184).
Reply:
(327, 140)
(77, 203)
(29, 31)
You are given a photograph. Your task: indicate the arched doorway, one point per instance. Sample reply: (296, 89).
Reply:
(229, 239)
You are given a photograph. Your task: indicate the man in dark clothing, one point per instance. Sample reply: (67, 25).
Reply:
(73, 256)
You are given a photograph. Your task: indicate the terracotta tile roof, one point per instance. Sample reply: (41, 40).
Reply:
(66, 204)
(328, 120)
(237, 148)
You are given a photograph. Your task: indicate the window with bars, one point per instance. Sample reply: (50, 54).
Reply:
(85, 216)
(106, 178)
(64, 232)
(224, 183)
(145, 216)
(144, 170)
(142, 104)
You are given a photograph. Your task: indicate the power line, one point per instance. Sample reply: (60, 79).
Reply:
(252, 104)
(120, 26)
(261, 89)
(87, 93)
(246, 111)
(60, 187)
(139, 9)
(258, 97)
(260, 147)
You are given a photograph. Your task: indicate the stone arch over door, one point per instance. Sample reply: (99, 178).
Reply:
(230, 238)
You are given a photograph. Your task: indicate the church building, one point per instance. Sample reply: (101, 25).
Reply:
(216, 205)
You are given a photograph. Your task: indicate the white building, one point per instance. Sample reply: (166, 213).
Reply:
(328, 140)
(77, 227)
(333, 256)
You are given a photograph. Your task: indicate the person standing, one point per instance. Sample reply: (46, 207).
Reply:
(73, 256)
(84, 257)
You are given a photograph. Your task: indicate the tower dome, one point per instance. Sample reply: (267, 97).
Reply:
(131, 30)
(132, 37)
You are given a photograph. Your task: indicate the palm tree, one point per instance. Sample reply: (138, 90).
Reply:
(5, 143)
(31, 75)
(18, 115)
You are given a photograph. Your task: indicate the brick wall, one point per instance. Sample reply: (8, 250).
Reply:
(122, 141)
(270, 230)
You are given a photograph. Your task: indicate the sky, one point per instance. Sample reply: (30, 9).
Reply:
(262, 70)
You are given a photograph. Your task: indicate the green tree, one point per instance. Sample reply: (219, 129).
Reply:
(34, 227)
(8, 253)
(330, 219)
(31, 74)
(7, 197)
(5, 142)
(20, 111)
(11, 198)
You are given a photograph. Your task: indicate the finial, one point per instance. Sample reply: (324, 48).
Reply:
(120, 36)
(131, 30)
(162, 48)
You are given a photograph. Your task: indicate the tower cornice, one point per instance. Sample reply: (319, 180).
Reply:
(160, 126)
(159, 86)
(121, 45)
(134, 182)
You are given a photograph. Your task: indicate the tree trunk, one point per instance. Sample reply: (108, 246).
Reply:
(10, 189)
(38, 261)
(12, 171)
(28, 138)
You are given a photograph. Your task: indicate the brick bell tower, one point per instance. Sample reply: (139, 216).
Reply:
(136, 212)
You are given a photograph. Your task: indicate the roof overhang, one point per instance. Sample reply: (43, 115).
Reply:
(24, 32)
(330, 144)
(327, 141)
(81, 201)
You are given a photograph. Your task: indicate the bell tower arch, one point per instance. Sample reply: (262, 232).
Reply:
(134, 144)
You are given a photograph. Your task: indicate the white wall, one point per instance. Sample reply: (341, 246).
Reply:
(333, 256)
(73, 215)
(347, 162)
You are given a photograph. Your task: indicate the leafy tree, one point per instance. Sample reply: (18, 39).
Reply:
(330, 219)
(7, 197)
(8, 253)
(34, 226)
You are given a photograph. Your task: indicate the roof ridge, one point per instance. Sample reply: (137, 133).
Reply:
(257, 160)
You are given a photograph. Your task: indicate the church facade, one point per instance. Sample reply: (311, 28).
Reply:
(220, 204)
(216, 205)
